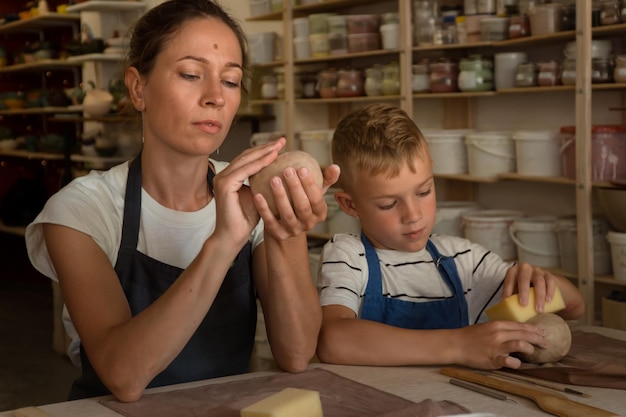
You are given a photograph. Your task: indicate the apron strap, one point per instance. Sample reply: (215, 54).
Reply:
(447, 269)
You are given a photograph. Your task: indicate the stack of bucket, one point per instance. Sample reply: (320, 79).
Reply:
(490, 229)
(447, 150)
(536, 240)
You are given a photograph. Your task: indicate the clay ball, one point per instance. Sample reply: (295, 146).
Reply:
(260, 182)
(558, 336)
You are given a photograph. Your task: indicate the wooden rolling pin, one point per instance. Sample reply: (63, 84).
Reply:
(556, 403)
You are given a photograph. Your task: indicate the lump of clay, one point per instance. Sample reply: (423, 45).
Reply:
(260, 182)
(558, 336)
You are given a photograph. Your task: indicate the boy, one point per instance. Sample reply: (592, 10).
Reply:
(397, 295)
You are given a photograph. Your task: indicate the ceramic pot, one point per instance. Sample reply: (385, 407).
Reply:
(97, 102)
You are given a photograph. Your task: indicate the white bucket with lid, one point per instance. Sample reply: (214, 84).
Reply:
(566, 230)
(262, 47)
(618, 254)
(536, 240)
(448, 221)
(317, 144)
(538, 152)
(490, 153)
(490, 229)
(447, 150)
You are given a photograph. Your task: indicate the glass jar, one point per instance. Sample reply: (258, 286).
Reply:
(391, 79)
(568, 72)
(526, 75)
(602, 70)
(268, 87)
(619, 74)
(568, 17)
(444, 76)
(309, 84)
(548, 73)
(374, 81)
(327, 83)
(519, 26)
(610, 12)
(420, 81)
(350, 83)
(476, 74)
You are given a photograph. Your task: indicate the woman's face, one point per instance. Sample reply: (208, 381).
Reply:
(193, 93)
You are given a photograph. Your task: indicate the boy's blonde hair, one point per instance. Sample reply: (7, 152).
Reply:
(379, 139)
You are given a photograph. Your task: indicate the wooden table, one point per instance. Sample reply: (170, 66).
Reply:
(413, 383)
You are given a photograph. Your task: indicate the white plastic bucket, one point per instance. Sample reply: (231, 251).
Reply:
(262, 47)
(317, 144)
(566, 230)
(505, 68)
(260, 7)
(447, 150)
(618, 254)
(449, 214)
(490, 229)
(536, 240)
(490, 153)
(538, 153)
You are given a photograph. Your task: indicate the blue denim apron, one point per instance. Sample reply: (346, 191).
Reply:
(450, 313)
(222, 344)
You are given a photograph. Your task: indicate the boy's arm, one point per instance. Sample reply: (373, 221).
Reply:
(345, 339)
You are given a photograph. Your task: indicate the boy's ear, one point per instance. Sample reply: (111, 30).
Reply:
(346, 203)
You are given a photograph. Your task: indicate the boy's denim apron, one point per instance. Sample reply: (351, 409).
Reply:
(450, 313)
(222, 344)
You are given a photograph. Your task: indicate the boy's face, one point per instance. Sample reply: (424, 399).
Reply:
(397, 213)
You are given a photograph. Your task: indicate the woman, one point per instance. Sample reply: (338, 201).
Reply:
(159, 260)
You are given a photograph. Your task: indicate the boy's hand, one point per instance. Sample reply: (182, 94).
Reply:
(520, 277)
(489, 345)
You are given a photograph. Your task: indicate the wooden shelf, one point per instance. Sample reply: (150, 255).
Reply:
(12, 230)
(44, 156)
(41, 65)
(106, 6)
(552, 180)
(80, 59)
(352, 55)
(38, 23)
(39, 110)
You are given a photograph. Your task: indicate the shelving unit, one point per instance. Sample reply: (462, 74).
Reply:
(460, 107)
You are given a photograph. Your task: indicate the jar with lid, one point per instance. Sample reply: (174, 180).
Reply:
(476, 74)
(444, 75)
(602, 70)
(391, 79)
(568, 72)
(327, 83)
(350, 83)
(374, 80)
(526, 75)
(519, 26)
(619, 74)
(548, 73)
(420, 81)
(610, 12)
(268, 87)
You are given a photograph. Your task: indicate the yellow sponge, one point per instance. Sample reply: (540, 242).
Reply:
(510, 308)
(289, 402)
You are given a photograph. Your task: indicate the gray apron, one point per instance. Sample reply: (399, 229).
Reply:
(222, 344)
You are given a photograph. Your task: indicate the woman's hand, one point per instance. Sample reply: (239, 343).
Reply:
(236, 212)
(307, 206)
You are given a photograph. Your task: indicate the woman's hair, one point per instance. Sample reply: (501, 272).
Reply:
(160, 23)
(379, 139)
